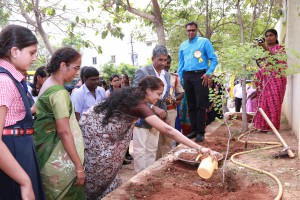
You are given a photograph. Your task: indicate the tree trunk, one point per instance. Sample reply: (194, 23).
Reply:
(36, 23)
(156, 18)
(159, 23)
(45, 39)
(244, 114)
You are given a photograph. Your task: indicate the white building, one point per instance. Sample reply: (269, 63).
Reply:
(119, 51)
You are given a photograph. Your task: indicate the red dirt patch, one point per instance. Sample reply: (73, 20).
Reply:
(175, 180)
(178, 181)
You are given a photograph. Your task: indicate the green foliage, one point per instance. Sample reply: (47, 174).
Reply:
(218, 23)
(74, 41)
(127, 69)
(239, 60)
(77, 42)
(109, 69)
(4, 15)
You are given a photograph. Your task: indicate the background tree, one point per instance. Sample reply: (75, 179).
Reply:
(4, 15)
(107, 70)
(110, 68)
(53, 18)
(152, 14)
(127, 69)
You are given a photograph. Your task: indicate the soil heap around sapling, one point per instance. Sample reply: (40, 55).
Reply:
(179, 181)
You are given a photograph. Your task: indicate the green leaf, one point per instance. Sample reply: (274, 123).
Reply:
(104, 34)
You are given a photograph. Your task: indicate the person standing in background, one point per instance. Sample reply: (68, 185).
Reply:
(238, 96)
(270, 84)
(114, 84)
(125, 83)
(197, 60)
(39, 78)
(176, 93)
(89, 93)
(124, 80)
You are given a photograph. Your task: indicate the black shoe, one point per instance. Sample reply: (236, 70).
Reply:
(128, 157)
(199, 138)
(191, 135)
(126, 162)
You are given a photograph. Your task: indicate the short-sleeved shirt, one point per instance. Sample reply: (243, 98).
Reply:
(10, 95)
(83, 99)
(141, 110)
(175, 83)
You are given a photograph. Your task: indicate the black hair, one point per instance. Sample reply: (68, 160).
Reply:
(81, 73)
(159, 50)
(41, 71)
(169, 57)
(191, 23)
(274, 32)
(89, 72)
(125, 99)
(111, 78)
(15, 36)
(63, 54)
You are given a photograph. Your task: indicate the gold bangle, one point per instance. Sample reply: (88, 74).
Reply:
(80, 171)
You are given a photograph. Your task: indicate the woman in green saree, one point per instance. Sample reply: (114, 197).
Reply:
(58, 138)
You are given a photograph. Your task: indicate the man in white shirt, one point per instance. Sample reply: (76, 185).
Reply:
(89, 93)
(238, 93)
(145, 138)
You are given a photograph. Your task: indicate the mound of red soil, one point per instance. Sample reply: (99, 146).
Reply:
(179, 181)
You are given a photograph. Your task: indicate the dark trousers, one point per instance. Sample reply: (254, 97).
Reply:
(197, 100)
(238, 104)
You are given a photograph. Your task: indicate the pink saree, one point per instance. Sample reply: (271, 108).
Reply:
(270, 94)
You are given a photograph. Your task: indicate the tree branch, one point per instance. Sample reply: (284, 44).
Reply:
(25, 15)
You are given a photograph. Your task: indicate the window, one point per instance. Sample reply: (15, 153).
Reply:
(94, 60)
(113, 59)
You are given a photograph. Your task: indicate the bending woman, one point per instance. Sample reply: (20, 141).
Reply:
(107, 130)
(271, 84)
(58, 138)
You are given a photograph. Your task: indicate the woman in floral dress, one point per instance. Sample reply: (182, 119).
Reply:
(107, 130)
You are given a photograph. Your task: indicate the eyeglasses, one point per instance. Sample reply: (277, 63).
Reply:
(191, 30)
(77, 68)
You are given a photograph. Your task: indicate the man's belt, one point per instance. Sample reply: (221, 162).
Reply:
(171, 107)
(196, 71)
(17, 131)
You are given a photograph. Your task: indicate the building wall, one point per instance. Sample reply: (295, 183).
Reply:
(121, 49)
(292, 96)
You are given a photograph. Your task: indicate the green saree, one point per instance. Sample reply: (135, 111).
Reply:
(57, 169)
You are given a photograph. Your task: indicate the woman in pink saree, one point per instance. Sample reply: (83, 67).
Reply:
(270, 84)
